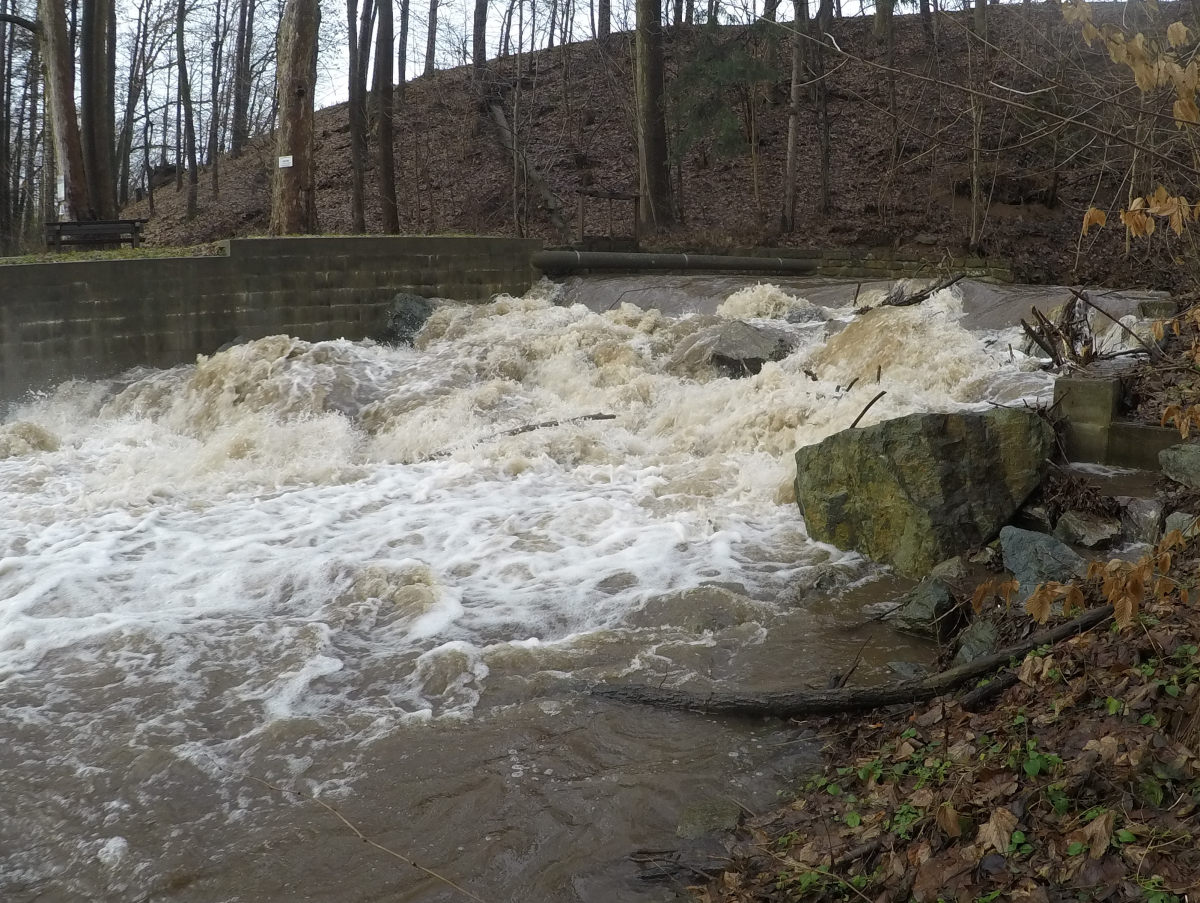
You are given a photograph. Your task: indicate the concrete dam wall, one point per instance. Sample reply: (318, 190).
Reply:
(92, 319)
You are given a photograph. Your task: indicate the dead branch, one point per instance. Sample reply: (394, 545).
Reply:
(530, 427)
(1155, 352)
(790, 704)
(870, 404)
(900, 299)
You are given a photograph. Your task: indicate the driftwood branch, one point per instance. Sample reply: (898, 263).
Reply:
(870, 404)
(899, 299)
(1155, 352)
(530, 427)
(789, 704)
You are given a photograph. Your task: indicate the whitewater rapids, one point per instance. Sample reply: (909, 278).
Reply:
(305, 563)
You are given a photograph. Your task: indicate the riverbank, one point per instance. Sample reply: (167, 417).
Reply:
(1074, 777)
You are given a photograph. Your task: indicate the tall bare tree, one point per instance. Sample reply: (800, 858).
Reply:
(386, 167)
(360, 52)
(431, 37)
(654, 171)
(60, 107)
(96, 57)
(188, 112)
(293, 195)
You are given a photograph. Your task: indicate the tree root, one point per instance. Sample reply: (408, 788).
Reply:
(790, 704)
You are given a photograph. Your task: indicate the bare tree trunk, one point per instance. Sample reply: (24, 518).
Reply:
(60, 109)
(981, 18)
(189, 115)
(926, 20)
(553, 24)
(790, 176)
(677, 17)
(770, 10)
(242, 42)
(654, 173)
(603, 18)
(479, 42)
(97, 106)
(821, 90)
(293, 207)
(383, 119)
(431, 38)
(402, 52)
(221, 13)
(358, 123)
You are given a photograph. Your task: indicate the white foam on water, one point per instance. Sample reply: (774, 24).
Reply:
(291, 509)
(290, 544)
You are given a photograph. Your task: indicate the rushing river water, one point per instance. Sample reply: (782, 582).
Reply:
(333, 572)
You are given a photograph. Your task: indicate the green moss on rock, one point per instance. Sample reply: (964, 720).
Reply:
(916, 490)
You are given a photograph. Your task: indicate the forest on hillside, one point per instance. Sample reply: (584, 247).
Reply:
(998, 129)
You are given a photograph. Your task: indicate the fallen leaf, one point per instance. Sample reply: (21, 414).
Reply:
(997, 831)
(1099, 833)
(947, 820)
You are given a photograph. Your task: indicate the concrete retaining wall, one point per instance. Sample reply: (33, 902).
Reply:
(91, 319)
(1094, 431)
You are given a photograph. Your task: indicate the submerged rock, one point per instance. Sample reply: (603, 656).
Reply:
(737, 348)
(979, 639)
(1184, 522)
(1082, 528)
(1142, 519)
(929, 610)
(914, 491)
(406, 316)
(1035, 558)
(1182, 464)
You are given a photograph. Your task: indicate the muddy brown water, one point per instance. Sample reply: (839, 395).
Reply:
(294, 572)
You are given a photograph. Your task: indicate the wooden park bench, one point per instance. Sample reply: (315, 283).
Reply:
(97, 233)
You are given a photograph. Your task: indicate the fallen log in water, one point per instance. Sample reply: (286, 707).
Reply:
(789, 704)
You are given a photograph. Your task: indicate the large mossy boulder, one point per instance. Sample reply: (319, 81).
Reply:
(919, 489)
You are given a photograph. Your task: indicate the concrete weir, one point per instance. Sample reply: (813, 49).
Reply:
(95, 318)
(1094, 429)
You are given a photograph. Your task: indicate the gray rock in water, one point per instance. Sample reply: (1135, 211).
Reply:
(708, 817)
(807, 313)
(1082, 528)
(1035, 558)
(406, 316)
(737, 348)
(929, 610)
(919, 489)
(908, 670)
(1184, 522)
(1182, 464)
(979, 639)
(1141, 519)
(1034, 517)
(951, 570)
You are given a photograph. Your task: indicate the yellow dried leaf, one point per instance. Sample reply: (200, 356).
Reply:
(1124, 608)
(1094, 217)
(1158, 330)
(1090, 33)
(947, 820)
(1073, 601)
(1185, 112)
(1077, 11)
(1137, 222)
(1177, 34)
(997, 832)
(1038, 604)
(1145, 76)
